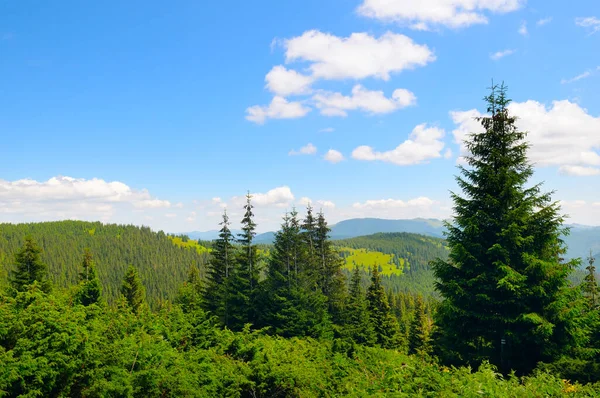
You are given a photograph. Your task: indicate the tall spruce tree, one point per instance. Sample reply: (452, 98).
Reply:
(590, 285)
(310, 258)
(358, 325)
(90, 290)
(133, 291)
(287, 307)
(332, 281)
(245, 277)
(419, 339)
(385, 325)
(217, 291)
(30, 268)
(503, 285)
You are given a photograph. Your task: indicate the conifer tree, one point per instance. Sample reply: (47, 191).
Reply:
(384, 323)
(217, 292)
(332, 281)
(419, 338)
(191, 295)
(504, 284)
(287, 307)
(30, 268)
(310, 260)
(590, 285)
(358, 325)
(245, 277)
(90, 290)
(132, 290)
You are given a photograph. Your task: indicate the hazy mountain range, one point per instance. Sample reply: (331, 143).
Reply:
(581, 240)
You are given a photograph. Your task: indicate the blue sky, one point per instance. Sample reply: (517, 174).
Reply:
(163, 114)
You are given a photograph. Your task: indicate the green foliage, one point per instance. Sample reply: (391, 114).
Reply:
(90, 290)
(420, 329)
(385, 325)
(52, 347)
(29, 267)
(504, 281)
(358, 326)
(222, 264)
(133, 291)
(590, 285)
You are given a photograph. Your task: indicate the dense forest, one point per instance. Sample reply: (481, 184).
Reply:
(297, 319)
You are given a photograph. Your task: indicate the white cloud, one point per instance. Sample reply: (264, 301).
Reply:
(421, 201)
(336, 104)
(358, 56)
(333, 156)
(284, 82)
(278, 197)
(308, 149)
(191, 217)
(179, 205)
(321, 204)
(544, 21)
(579, 170)
(523, 29)
(583, 75)
(171, 215)
(425, 14)
(279, 108)
(563, 134)
(591, 24)
(327, 130)
(424, 143)
(501, 54)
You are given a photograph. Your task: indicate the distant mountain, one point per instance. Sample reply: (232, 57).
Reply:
(207, 235)
(582, 239)
(368, 226)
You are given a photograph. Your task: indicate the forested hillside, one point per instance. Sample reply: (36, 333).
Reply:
(163, 265)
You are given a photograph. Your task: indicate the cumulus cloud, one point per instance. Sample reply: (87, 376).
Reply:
(327, 130)
(333, 156)
(563, 134)
(591, 24)
(336, 104)
(308, 149)
(424, 143)
(357, 56)
(67, 198)
(425, 14)
(279, 108)
(284, 82)
(322, 204)
(279, 197)
(191, 217)
(501, 54)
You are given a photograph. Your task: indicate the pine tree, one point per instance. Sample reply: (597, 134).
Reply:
(504, 284)
(30, 268)
(384, 323)
(192, 294)
(590, 285)
(245, 277)
(90, 290)
(132, 290)
(332, 281)
(216, 294)
(288, 308)
(419, 337)
(310, 258)
(358, 325)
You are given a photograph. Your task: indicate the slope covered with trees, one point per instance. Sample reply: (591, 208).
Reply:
(161, 264)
